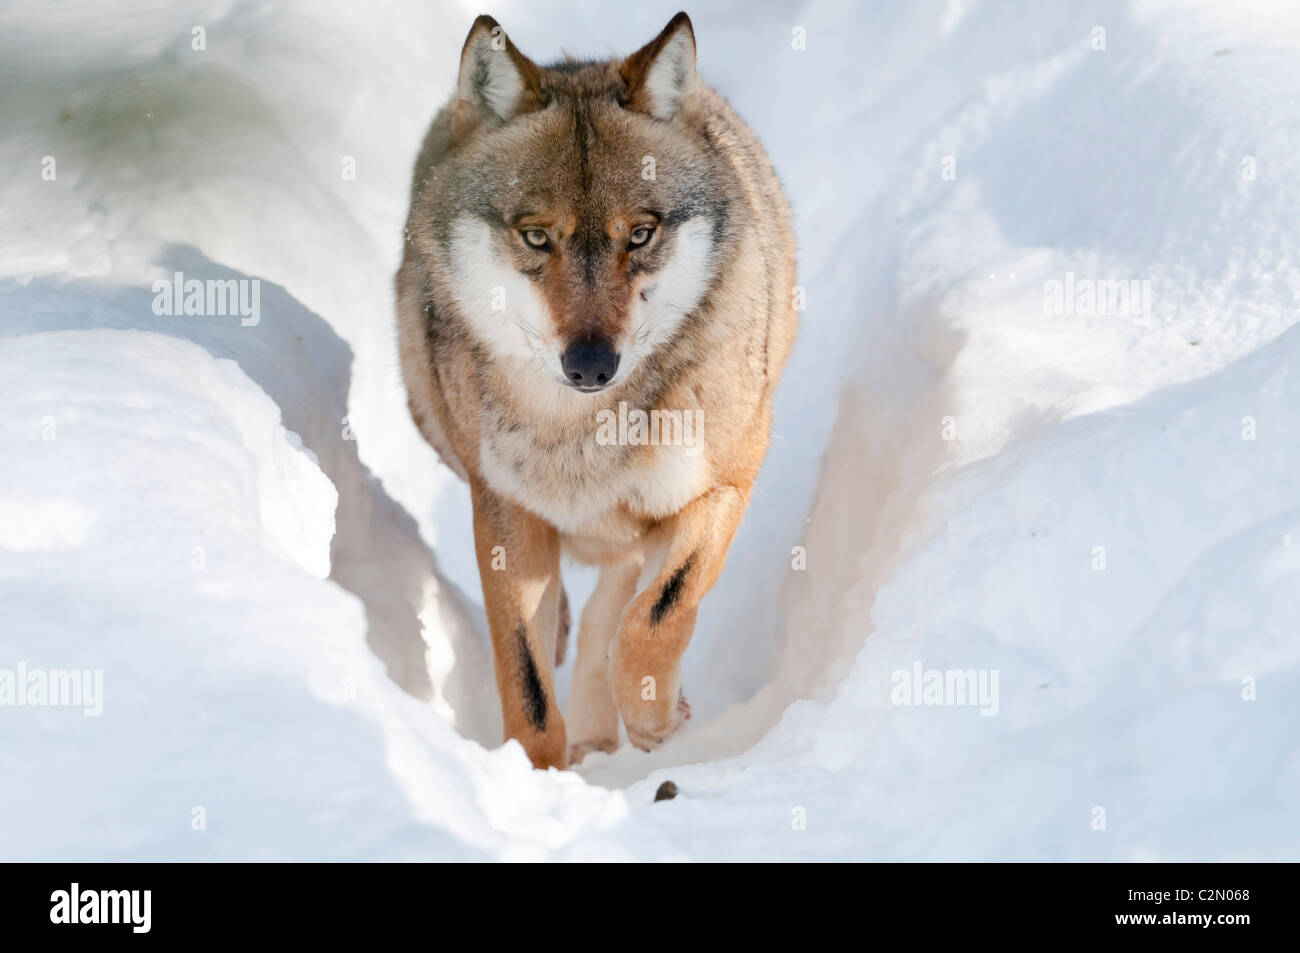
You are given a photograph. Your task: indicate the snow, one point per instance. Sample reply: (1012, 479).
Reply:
(239, 527)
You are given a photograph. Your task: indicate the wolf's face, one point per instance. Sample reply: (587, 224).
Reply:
(581, 217)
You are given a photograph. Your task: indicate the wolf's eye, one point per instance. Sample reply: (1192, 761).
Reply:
(640, 236)
(536, 238)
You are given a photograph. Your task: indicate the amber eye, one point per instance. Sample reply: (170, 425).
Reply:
(640, 235)
(536, 237)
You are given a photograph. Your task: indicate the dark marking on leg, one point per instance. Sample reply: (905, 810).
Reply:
(672, 591)
(530, 681)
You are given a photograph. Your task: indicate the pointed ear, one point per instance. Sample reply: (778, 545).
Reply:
(661, 75)
(497, 82)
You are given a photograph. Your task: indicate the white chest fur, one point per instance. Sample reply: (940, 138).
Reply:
(585, 488)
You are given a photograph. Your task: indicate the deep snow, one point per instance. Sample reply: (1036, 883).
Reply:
(241, 529)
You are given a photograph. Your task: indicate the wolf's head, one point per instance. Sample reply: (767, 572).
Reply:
(581, 210)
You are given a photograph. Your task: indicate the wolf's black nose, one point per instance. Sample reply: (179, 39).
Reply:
(589, 364)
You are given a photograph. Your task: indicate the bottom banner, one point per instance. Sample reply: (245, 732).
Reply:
(333, 902)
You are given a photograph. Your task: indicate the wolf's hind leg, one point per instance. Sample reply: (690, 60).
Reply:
(566, 622)
(592, 717)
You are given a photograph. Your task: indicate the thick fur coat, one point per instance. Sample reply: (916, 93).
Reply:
(591, 243)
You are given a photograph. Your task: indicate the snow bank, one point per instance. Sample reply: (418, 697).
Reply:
(1094, 514)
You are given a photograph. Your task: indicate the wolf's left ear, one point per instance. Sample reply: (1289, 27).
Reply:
(496, 82)
(661, 75)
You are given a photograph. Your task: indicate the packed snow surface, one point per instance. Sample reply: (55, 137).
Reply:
(1021, 578)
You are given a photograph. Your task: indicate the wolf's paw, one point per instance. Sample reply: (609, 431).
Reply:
(653, 738)
(651, 725)
(581, 749)
(646, 687)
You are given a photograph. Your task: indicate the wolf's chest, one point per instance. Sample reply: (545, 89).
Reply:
(585, 487)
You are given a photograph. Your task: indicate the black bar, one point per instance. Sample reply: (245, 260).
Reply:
(331, 902)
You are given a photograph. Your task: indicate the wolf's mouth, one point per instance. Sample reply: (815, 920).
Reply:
(590, 388)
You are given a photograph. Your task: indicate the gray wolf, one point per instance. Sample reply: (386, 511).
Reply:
(592, 242)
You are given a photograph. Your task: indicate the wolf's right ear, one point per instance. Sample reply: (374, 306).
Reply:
(496, 82)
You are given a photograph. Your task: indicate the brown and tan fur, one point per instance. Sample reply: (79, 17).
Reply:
(700, 313)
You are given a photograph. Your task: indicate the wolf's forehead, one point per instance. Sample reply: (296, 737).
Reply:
(579, 154)
(574, 80)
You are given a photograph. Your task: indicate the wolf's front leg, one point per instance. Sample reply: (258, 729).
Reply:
(645, 660)
(519, 566)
